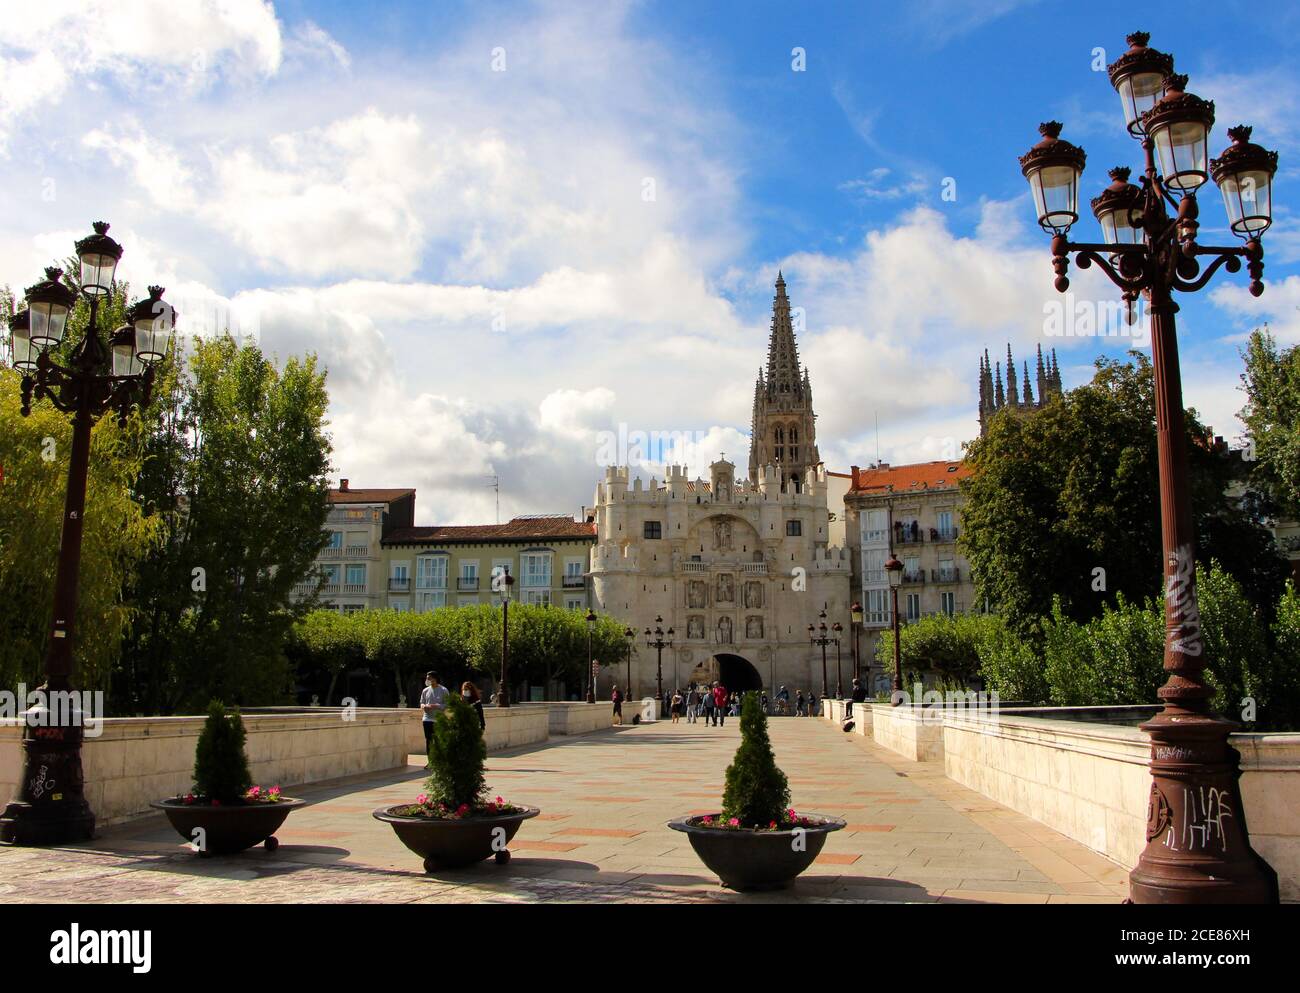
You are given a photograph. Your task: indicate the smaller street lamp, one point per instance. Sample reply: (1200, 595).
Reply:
(629, 634)
(895, 570)
(591, 668)
(503, 691)
(839, 676)
(818, 636)
(659, 643)
(855, 625)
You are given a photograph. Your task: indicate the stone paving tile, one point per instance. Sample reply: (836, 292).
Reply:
(915, 836)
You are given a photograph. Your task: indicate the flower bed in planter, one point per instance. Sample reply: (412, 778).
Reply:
(225, 813)
(450, 825)
(451, 839)
(218, 828)
(757, 858)
(758, 841)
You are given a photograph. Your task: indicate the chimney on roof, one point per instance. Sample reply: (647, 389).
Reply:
(343, 485)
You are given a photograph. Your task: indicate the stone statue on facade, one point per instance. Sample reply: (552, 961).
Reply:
(695, 593)
(754, 628)
(724, 630)
(695, 626)
(726, 588)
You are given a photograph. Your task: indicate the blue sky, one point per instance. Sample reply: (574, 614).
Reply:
(449, 203)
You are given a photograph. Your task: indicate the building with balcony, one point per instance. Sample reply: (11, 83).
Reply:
(914, 513)
(349, 573)
(454, 565)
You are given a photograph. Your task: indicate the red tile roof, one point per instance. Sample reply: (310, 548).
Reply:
(908, 478)
(539, 528)
(366, 496)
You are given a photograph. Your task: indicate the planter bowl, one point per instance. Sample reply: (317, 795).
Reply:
(454, 844)
(228, 829)
(745, 859)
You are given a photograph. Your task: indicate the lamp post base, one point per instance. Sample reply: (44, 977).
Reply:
(1198, 847)
(51, 808)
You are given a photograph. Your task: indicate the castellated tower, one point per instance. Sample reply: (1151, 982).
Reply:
(783, 431)
(737, 568)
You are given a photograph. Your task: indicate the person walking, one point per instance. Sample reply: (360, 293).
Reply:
(764, 702)
(800, 707)
(692, 704)
(720, 701)
(812, 704)
(470, 694)
(617, 698)
(433, 701)
(783, 702)
(677, 706)
(706, 704)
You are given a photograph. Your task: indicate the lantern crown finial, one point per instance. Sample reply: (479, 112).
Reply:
(101, 227)
(1120, 174)
(156, 292)
(1050, 129)
(53, 273)
(1138, 39)
(1241, 133)
(1176, 82)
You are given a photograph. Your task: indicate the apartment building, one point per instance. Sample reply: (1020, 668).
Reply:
(452, 566)
(913, 512)
(352, 563)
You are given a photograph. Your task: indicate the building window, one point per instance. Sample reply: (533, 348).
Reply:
(540, 598)
(653, 530)
(336, 539)
(331, 574)
(914, 606)
(537, 569)
(355, 576)
(794, 529)
(875, 527)
(948, 603)
(468, 579)
(401, 605)
(573, 603)
(432, 600)
(431, 572)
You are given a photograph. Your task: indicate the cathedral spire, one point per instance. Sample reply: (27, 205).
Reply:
(1013, 397)
(1029, 394)
(783, 370)
(784, 431)
(999, 400)
(1042, 377)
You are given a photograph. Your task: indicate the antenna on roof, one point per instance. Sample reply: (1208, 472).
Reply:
(877, 413)
(496, 485)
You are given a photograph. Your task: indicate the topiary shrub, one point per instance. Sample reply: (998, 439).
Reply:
(756, 793)
(220, 765)
(457, 754)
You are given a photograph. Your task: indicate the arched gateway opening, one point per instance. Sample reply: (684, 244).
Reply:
(733, 671)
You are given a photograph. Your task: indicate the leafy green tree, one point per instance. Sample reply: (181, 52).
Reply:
(238, 474)
(1272, 418)
(1283, 711)
(948, 646)
(1012, 666)
(756, 791)
(220, 765)
(457, 754)
(1062, 492)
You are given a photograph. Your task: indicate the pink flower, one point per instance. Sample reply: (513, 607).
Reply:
(499, 801)
(422, 799)
(254, 792)
(734, 822)
(189, 798)
(275, 792)
(707, 819)
(772, 825)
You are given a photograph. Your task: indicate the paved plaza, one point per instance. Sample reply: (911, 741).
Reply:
(912, 835)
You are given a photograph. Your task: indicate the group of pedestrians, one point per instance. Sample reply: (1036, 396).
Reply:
(708, 703)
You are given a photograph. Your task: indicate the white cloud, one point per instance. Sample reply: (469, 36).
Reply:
(145, 45)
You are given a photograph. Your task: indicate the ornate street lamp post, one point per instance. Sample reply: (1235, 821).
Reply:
(818, 636)
(659, 644)
(503, 691)
(629, 634)
(894, 569)
(591, 668)
(855, 625)
(839, 676)
(101, 377)
(1198, 848)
